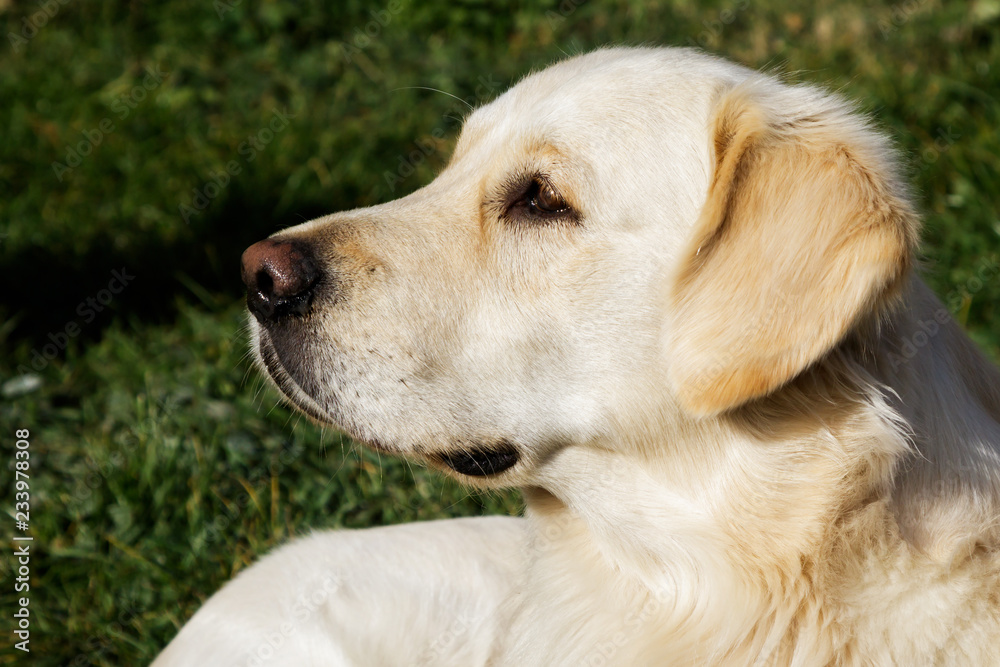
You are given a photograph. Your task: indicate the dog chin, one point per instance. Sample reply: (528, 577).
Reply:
(476, 462)
(269, 361)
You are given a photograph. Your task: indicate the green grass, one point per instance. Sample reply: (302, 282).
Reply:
(161, 465)
(159, 470)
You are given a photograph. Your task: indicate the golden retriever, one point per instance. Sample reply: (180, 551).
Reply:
(673, 300)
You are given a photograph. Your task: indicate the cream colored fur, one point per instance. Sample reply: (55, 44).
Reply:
(730, 453)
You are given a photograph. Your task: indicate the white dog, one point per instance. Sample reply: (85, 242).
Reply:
(671, 299)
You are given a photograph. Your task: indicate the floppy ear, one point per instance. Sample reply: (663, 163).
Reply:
(804, 232)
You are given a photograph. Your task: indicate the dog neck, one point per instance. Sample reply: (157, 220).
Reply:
(776, 510)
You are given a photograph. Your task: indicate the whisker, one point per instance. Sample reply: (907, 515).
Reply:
(436, 90)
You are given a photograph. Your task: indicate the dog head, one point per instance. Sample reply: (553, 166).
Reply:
(626, 235)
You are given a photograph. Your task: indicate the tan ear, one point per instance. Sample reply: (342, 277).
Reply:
(804, 232)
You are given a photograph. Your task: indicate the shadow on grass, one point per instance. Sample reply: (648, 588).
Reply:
(65, 296)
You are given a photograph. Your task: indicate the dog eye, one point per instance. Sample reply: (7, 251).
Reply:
(538, 200)
(545, 200)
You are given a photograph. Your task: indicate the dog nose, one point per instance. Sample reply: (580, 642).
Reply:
(280, 276)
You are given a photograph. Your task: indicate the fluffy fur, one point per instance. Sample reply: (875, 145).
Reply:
(747, 433)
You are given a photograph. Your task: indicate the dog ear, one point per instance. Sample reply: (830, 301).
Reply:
(805, 231)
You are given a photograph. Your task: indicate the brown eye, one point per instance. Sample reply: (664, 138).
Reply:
(544, 199)
(532, 200)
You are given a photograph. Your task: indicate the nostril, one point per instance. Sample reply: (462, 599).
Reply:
(265, 284)
(280, 276)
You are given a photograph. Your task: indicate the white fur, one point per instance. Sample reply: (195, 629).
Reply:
(844, 511)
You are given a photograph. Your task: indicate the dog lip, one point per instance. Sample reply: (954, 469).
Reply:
(483, 461)
(283, 380)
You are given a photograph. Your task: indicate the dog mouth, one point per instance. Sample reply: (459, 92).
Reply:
(481, 460)
(484, 461)
(286, 384)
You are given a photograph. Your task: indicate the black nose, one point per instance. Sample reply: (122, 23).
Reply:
(280, 276)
